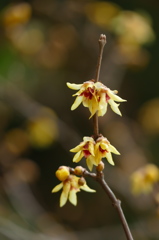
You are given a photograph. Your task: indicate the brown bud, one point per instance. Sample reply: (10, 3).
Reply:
(79, 170)
(81, 181)
(100, 166)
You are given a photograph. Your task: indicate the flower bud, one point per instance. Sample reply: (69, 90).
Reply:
(81, 181)
(100, 166)
(62, 173)
(79, 170)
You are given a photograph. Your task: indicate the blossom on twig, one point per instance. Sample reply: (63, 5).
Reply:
(103, 149)
(95, 96)
(71, 185)
(85, 149)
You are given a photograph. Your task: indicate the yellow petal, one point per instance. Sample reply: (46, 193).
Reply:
(93, 106)
(89, 163)
(77, 102)
(57, 188)
(102, 105)
(109, 158)
(73, 197)
(113, 149)
(86, 188)
(114, 107)
(64, 194)
(115, 97)
(104, 146)
(78, 147)
(91, 148)
(88, 139)
(78, 156)
(74, 86)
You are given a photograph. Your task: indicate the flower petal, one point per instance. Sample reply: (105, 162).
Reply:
(109, 158)
(114, 107)
(78, 156)
(115, 97)
(77, 102)
(74, 86)
(90, 161)
(113, 149)
(86, 188)
(57, 188)
(64, 194)
(78, 147)
(73, 197)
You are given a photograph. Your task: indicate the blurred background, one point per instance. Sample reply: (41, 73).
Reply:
(43, 45)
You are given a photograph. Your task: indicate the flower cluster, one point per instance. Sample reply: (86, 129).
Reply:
(71, 184)
(94, 151)
(95, 96)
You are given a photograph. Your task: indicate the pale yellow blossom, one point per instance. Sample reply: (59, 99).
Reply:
(143, 179)
(85, 149)
(103, 149)
(95, 96)
(70, 188)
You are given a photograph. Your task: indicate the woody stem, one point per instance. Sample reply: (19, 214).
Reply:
(99, 176)
(102, 42)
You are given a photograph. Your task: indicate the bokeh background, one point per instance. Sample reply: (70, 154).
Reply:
(43, 45)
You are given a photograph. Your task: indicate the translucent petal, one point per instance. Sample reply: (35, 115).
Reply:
(109, 158)
(88, 139)
(78, 156)
(74, 86)
(89, 163)
(73, 197)
(64, 194)
(91, 148)
(86, 188)
(93, 107)
(77, 102)
(57, 188)
(104, 146)
(113, 149)
(115, 97)
(114, 107)
(78, 147)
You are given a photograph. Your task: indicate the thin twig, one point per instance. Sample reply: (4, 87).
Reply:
(100, 176)
(102, 42)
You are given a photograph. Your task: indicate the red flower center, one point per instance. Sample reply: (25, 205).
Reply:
(102, 150)
(88, 93)
(107, 97)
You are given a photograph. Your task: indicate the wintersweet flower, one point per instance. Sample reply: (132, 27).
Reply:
(86, 95)
(71, 186)
(103, 149)
(106, 96)
(143, 179)
(85, 149)
(95, 96)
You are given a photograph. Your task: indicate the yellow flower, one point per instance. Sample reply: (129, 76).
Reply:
(106, 96)
(85, 149)
(143, 179)
(70, 188)
(103, 149)
(85, 95)
(96, 97)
